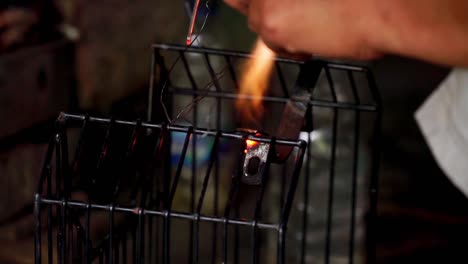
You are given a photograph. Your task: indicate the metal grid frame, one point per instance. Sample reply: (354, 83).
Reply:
(106, 251)
(68, 220)
(357, 105)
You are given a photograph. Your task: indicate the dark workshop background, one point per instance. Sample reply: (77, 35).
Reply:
(94, 57)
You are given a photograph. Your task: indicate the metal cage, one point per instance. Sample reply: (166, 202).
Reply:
(164, 191)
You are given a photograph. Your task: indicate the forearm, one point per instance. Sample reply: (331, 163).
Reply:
(432, 30)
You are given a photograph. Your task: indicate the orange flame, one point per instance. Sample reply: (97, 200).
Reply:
(254, 82)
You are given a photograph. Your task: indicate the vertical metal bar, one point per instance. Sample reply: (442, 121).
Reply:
(214, 242)
(150, 240)
(212, 73)
(282, 188)
(63, 230)
(371, 235)
(46, 165)
(68, 225)
(194, 152)
(46, 174)
(67, 181)
(214, 228)
(225, 240)
(305, 220)
(235, 185)
(111, 235)
(153, 203)
(167, 220)
(281, 254)
(155, 196)
(88, 234)
(331, 183)
(140, 240)
(165, 154)
(352, 82)
(373, 89)
(152, 198)
(165, 149)
(331, 84)
(188, 71)
(193, 188)
(58, 168)
(79, 246)
(134, 244)
(286, 211)
(104, 246)
(156, 246)
(105, 145)
(70, 237)
(236, 236)
(195, 241)
(259, 203)
(357, 125)
(95, 182)
(232, 72)
(124, 247)
(37, 233)
(117, 250)
(58, 175)
(180, 165)
(50, 239)
(254, 237)
(129, 162)
(149, 111)
(166, 238)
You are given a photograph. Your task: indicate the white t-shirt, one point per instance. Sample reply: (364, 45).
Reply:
(443, 119)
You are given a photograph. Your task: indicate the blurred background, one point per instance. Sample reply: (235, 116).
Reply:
(94, 57)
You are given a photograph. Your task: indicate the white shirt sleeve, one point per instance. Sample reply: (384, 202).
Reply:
(443, 120)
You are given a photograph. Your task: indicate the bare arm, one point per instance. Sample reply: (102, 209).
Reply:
(431, 30)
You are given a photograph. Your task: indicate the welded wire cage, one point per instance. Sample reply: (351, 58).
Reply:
(172, 188)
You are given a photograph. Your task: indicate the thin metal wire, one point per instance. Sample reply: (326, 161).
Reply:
(161, 97)
(203, 93)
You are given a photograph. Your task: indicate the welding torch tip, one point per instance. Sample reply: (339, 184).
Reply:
(193, 18)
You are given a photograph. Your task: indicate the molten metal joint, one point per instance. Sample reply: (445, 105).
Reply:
(256, 157)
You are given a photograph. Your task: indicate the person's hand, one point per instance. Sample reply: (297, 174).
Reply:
(14, 24)
(432, 30)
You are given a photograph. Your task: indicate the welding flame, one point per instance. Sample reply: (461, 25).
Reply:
(254, 82)
(251, 143)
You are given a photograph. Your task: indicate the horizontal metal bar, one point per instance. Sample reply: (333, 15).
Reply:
(314, 102)
(240, 54)
(183, 129)
(217, 52)
(179, 215)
